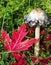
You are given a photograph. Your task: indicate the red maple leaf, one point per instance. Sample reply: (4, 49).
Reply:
(16, 43)
(20, 61)
(42, 60)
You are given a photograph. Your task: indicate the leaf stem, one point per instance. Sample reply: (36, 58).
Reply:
(7, 52)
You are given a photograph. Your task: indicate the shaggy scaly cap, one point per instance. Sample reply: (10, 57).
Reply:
(36, 17)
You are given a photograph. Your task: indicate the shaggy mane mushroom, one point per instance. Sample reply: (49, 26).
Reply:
(37, 18)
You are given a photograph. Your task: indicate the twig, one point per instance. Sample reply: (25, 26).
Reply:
(3, 22)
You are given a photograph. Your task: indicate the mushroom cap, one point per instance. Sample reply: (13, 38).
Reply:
(36, 17)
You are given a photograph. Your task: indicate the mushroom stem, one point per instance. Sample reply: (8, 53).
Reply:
(37, 35)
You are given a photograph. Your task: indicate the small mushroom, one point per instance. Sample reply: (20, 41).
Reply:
(38, 18)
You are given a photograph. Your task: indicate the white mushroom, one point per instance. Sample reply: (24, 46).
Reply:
(36, 17)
